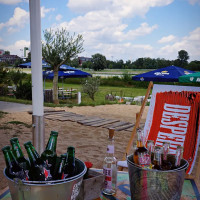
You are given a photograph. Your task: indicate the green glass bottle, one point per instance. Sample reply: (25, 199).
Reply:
(39, 171)
(59, 174)
(70, 168)
(49, 155)
(13, 169)
(17, 151)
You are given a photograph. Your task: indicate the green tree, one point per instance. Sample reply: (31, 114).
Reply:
(98, 62)
(139, 63)
(7, 53)
(73, 63)
(28, 57)
(183, 57)
(60, 47)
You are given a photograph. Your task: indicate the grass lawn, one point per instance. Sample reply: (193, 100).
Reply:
(100, 95)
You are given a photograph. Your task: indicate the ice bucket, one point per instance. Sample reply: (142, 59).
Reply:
(147, 184)
(66, 189)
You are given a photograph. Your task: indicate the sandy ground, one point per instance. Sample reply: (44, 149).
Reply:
(90, 142)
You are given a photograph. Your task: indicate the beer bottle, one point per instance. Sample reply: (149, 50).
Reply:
(157, 162)
(166, 164)
(13, 169)
(70, 168)
(110, 167)
(140, 147)
(49, 154)
(17, 151)
(39, 171)
(178, 157)
(59, 174)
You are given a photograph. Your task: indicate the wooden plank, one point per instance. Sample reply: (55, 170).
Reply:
(53, 113)
(66, 117)
(91, 119)
(60, 113)
(130, 143)
(73, 119)
(47, 111)
(94, 122)
(108, 121)
(58, 116)
(124, 127)
(116, 124)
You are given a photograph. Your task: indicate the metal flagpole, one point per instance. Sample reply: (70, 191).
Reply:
(37, 82)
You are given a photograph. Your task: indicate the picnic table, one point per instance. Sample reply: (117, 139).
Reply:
(65, 94)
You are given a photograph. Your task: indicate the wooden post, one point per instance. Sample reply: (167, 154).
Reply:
(137, 122)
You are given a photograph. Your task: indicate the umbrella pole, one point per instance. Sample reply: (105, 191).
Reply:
(62, 89)
(36, 69)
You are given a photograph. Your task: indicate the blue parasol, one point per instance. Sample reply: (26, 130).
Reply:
(166, 74)
(28, 65)
(66, 74)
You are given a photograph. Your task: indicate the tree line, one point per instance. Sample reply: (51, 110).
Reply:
(99, 62)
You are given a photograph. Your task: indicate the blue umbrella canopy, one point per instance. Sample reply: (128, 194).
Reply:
(66, 74)
(166, 74)
(28, 64)
(67, 67)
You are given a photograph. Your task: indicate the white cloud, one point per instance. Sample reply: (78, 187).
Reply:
(46, 10)
(10, 2)
(166, 39)
(18, 20)
(121, 51)
(123, 8)
(189, 43)
(194, 2)
(15, 48)
(58, 17)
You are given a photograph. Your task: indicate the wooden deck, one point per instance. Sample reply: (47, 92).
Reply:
(93, 121)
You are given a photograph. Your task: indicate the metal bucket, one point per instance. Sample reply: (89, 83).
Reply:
(66, 189)
(147, 184)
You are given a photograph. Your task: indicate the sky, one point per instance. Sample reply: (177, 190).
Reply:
(117, 29)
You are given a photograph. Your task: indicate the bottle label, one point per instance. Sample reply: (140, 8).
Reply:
(26, 174)
(110, 149)
(47, 174)
(144, 159)
(108, 177)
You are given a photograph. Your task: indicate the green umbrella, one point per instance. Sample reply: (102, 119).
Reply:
(194, 77)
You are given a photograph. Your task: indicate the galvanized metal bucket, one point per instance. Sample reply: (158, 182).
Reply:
(66, 189)
(147, 184)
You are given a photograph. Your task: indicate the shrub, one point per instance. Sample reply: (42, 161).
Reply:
(90, 86)
(24, 90)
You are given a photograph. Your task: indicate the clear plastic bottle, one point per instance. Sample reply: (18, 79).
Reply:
(157, 163)
(178, 157)
(166, 164)
(110, 167)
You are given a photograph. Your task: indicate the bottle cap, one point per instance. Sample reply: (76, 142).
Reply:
(71, 148)
(14, 140)
(26, 145)
(111, 133)
(6, 148)
(54, 133)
